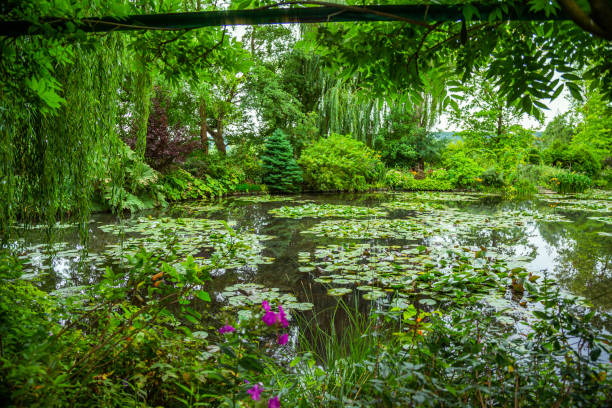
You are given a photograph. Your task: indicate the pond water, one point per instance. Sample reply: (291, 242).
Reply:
(310, 250)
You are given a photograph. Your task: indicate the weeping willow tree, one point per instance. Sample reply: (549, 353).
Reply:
(56, 151)
(346, 108)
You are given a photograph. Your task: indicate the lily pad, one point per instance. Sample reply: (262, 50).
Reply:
(326, 210)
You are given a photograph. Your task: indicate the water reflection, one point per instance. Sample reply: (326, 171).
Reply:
(573, 251)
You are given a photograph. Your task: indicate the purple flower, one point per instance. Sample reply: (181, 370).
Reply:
(283, 339)
(255, 392)
(269, 318)
(226, 329)
(282, 317)
(265, 305)
(274, 402)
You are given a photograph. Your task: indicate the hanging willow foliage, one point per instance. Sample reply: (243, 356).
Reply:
(347, 109)
(51, 162)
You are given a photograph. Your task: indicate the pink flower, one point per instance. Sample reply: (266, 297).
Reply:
(282, 317)
(226, 329)
(274, 402)
(265, 305)
(269, 318)
(255, 392)
(283, 339)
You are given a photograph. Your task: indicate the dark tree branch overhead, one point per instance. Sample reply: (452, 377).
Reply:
(420, 15)
(602, 13)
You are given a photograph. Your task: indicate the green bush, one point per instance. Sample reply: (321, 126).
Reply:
(566, 182)
(397, 153)
(439, 174)
(250, 188)
(280, 170)
(534, 156)
(340, 163)
(492, 178)
(227, 170)
(181, 185)
(399, 180)
(138, 190)
(578, 158)
(519, 188)
(463, 171)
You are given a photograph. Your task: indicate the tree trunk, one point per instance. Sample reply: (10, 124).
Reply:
(500, 126)
(203, 126)
(218, 136)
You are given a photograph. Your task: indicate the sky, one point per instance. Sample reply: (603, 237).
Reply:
(559, 105)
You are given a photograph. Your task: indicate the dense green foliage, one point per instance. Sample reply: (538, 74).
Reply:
(280, 170)
(127, 121)
(399, 180)
(340, 163)
(566, 182)
(131, 340)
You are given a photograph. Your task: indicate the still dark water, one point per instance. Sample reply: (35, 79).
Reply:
(569, 240)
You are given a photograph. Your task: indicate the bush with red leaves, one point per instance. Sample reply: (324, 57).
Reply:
(166, 145)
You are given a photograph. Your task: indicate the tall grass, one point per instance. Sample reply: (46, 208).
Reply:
(339, 349)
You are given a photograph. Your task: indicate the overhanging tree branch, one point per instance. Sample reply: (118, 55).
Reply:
(421, 15)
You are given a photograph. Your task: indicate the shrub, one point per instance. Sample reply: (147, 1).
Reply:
(340, 163)
(138, 188)
(280, 170)
(519, 188)
(439, 174)
(492, 178)
(397, 153)
(399, 180)
(181, 185)
(462, 170)
(228, 170)
(534, 156)
(578, 158)
(566, 182)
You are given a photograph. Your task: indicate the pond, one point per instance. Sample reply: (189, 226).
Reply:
(310, 250)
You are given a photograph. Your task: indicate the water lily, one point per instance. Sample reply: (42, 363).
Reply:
(274, 402)
(255, 392)
(283, 339)
(227, 329)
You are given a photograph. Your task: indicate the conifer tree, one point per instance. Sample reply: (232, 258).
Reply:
(281, 171)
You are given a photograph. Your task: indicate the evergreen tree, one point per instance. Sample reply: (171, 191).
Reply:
(281, 171)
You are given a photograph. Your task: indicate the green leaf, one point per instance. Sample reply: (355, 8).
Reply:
(203, 295)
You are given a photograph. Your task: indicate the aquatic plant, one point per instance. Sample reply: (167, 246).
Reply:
(326, 210)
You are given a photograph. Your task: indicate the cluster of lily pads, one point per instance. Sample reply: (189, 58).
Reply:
(430, 221)
(580, 205)
(409, 229)
(429, 275)
(207, 240)
(327, 210)
(265, 198)
(192, 236)
(249, 294)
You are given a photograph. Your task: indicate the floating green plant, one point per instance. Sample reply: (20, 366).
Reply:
(249, 294)
(326, 210)
(366, 229)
